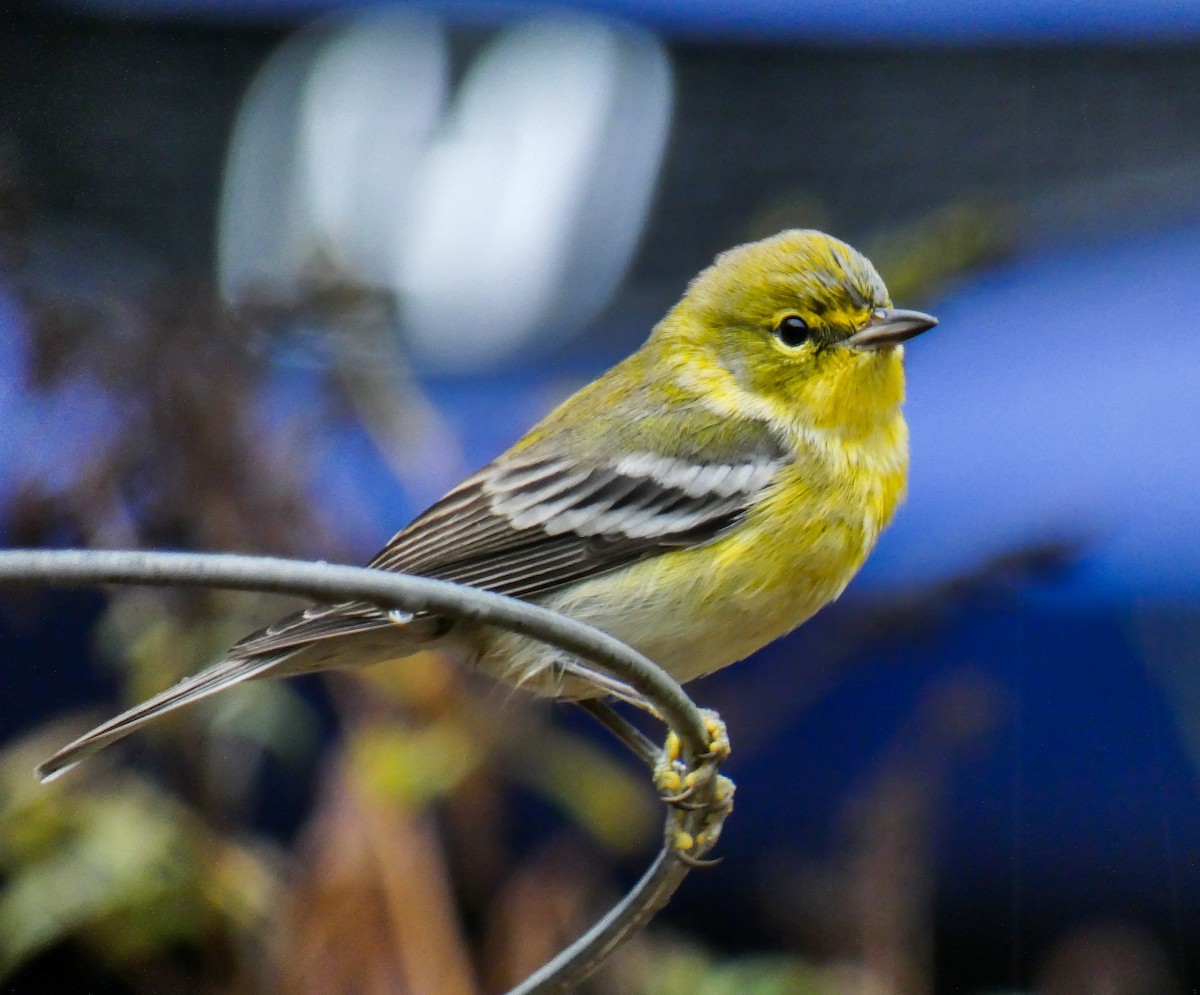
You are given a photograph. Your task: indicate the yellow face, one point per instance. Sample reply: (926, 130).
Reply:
(779, 316)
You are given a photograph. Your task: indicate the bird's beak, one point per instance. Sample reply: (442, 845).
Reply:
(891, 326)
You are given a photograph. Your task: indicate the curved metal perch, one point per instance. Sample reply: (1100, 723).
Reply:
(326, 582)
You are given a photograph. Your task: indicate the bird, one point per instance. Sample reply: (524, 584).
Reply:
(698, 500)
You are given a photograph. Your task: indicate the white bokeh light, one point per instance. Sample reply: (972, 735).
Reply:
(505, 211)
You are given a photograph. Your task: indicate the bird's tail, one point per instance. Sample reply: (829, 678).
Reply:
(216, 678)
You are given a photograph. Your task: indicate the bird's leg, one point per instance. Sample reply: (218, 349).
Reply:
(641, 745)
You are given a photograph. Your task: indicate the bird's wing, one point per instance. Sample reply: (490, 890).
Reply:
(522, 526)
(530, 523)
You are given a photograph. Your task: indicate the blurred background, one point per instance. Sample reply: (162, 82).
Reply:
(275, 273)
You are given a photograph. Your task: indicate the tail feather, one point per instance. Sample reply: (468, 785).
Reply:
(216, 678)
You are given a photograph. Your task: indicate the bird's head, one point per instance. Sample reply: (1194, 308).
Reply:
(802, 321)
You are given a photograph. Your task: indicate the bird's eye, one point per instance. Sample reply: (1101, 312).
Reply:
(792, 330)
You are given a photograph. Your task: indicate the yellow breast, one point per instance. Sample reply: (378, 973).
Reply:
(706, 608)
(699, 609)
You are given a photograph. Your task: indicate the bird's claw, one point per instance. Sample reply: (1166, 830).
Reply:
(718, 737)
(675, 781)
(697, 862)
(701, 796)
(695, 828)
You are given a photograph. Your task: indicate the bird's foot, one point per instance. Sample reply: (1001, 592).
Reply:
(701, 796)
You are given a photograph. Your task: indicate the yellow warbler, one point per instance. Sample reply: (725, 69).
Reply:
(698, 500)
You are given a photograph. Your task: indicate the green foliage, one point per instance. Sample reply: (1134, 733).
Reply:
(691, 971)
(117, 863)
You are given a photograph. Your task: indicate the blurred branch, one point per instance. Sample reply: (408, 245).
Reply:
(326, 582)
(397, 414)
(371, 907)
(921, 259)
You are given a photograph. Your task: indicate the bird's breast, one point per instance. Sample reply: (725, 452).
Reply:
(699, 609)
